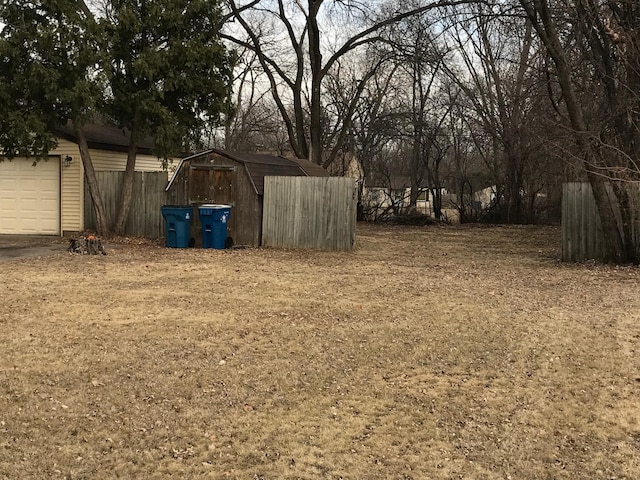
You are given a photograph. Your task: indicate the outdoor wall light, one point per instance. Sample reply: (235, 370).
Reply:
(67, 161)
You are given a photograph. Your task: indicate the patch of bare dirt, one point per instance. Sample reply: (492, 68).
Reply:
(435, 352)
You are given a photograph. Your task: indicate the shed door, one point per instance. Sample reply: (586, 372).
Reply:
(223, 181)
(212, 184)
(30, 196)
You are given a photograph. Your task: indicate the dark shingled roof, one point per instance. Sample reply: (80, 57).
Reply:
(261, 165)
(310, 168)
(106, 137)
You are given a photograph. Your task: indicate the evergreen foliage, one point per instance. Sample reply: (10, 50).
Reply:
(47, 73)
(168, 73)
(156, 67)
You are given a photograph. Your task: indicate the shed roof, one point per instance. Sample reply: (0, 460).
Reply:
(310, 168)
(260, 165)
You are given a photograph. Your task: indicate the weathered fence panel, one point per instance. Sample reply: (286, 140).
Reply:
(581, 227)
(582, 237)
(309, 212)
(145, 217)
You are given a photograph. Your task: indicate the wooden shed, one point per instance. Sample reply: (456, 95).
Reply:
(236, 179)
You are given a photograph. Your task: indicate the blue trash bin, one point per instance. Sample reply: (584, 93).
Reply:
(178, 225)
(214, 219)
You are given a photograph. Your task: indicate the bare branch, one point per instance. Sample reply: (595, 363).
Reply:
(360, 38)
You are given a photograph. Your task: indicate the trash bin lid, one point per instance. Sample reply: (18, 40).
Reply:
(214, 206)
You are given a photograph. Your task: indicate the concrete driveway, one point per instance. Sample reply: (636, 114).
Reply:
(21, 246)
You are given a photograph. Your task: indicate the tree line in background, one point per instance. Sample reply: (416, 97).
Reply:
(452, 97)
(511, 96)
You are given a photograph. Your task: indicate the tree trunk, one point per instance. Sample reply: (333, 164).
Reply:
(436, 195)
(315, 58)
(626, 214)
(540, 15)
(102, 224)
(126, 194)
(614, 250)
(513, 187)
(415, 174)
(298, 135)
(436, 185)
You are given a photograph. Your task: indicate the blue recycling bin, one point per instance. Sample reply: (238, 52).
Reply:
(214, 219)
(178, 225)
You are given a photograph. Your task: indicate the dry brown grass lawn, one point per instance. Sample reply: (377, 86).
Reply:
(446, 353)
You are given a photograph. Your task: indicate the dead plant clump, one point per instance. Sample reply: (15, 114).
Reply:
(433, 352)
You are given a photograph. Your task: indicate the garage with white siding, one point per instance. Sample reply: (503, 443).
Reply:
(30, 196)
(48, 199)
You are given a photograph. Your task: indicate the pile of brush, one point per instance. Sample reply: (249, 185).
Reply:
(87, 245)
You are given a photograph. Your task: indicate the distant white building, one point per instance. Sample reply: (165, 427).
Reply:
(379, 201)
(484, 198)
(382, 196)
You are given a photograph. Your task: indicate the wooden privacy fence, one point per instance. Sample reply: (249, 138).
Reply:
(582, 237)
(309, 212)
(145, 216)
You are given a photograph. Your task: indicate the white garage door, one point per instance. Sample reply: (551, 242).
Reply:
(30, 196)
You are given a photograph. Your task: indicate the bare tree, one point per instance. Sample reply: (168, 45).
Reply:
(420, 62)
(461, 155)
(252, 120)
(595, 50)
(375, 125)
(312, 59)
(496, 56)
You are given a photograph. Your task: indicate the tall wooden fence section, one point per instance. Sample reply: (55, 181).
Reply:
(309, 212)
(145, 216)
(582, 237)
(581, 227)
